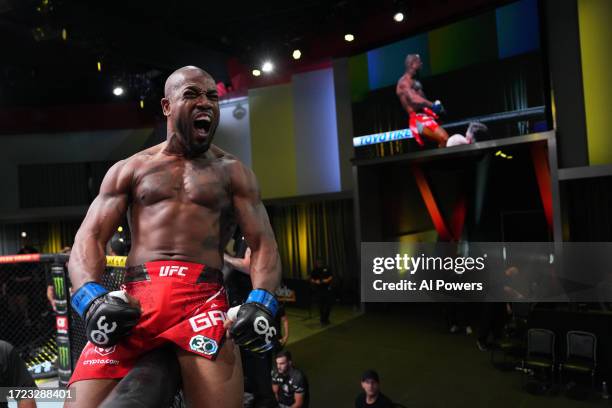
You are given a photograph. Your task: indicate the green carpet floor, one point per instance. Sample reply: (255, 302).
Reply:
(420, 364)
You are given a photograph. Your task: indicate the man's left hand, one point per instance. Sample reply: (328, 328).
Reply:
(437, 107)
(251, 324)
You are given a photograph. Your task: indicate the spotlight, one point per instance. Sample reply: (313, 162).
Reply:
(349, 37)
(120, 229)
(267, 67)
(256, 72)
(24, 234)
(99, 66)
(118, 91)
(64, 34)
(297, 54)
(141, 107)
(399, 17)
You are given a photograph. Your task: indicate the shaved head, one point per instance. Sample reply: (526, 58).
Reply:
(191, 105)
(410, 58)
(177, 77)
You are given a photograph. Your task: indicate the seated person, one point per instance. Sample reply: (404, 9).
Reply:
(371, 395)
(289, 384)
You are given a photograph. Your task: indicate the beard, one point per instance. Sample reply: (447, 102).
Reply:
(193, 142)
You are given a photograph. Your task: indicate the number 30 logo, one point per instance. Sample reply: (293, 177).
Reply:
(203, 344)
(261, 325)
(100, 336)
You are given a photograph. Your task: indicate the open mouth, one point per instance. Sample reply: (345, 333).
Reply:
(202, 124)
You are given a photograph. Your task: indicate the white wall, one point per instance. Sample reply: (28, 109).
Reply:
(234, 135)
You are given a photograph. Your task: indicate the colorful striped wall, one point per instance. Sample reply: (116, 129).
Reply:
(501, 33)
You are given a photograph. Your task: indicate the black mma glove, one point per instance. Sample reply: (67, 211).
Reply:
(438, 108)
(108, 315)
(253, 327)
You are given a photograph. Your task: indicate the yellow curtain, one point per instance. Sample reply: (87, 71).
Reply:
(54, 239)
(59, 235)
(307, 231)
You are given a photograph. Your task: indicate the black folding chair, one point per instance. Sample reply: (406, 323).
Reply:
(540, 351)
(581, 356)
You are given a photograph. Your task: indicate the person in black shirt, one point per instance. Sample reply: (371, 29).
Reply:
(13, 373)
(371, 395)
(289, 384)
(321, 277)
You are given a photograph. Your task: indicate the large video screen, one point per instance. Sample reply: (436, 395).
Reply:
(487, 68)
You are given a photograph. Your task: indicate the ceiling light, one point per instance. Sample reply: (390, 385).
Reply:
(349, 37)
(267, 66)
(118, 91)
(296, 54)
(256, 72)
(23, 234)
(399, 17)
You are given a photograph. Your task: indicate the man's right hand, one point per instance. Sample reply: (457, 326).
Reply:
(109, 316)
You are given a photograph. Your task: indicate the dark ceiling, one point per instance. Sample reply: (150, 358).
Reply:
(139, 42)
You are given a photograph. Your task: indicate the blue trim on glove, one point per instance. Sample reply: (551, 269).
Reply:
(265, 298)
(86, 294)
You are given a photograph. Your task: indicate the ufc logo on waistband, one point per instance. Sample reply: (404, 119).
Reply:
(172, 270)
(207, 319)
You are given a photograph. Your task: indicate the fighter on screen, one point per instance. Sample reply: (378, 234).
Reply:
(422, 112)
(183, 198)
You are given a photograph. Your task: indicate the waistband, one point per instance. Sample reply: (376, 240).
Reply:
(188, 272)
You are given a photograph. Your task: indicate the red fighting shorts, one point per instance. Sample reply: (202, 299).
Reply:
(419, 121)
(183, 303)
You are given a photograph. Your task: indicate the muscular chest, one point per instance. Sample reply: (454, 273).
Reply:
(182, 182)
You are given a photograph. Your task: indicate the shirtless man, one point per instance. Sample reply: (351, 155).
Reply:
(422, 112)
(183, 198)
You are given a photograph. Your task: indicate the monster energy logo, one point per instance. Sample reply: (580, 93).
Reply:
(64, 356)
(58, 284)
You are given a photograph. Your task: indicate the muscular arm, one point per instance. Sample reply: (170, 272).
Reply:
(255, 225)
(87, 260)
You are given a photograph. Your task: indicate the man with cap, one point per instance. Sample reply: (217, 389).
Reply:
(371, 395)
